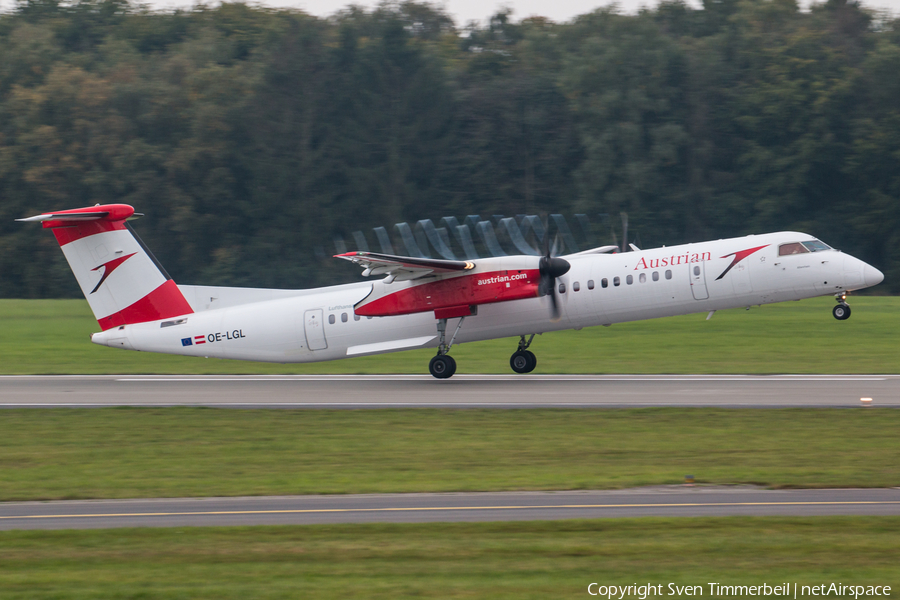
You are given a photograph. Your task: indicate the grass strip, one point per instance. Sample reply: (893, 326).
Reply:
(175, 452)
(521, 560)
(52, 337)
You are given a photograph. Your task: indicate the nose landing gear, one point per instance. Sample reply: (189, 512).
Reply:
(841, 312)
(523, 360)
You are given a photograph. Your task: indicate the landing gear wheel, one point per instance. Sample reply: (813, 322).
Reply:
(841, 312)
(442, 366)
(523, 361)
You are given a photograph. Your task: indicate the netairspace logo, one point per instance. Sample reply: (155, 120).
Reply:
(781, 590)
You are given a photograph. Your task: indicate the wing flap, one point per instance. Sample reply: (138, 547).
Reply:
(403, 267)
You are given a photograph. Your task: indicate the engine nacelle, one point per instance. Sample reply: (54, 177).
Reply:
(451, 296)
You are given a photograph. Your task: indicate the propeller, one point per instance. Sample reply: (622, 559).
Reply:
(551, 267)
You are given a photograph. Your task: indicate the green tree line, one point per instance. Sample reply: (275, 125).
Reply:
(251, 137)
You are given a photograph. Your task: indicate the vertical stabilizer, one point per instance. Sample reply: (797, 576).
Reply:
(120, 278)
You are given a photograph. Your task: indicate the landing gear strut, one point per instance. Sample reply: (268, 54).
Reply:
(523, 360)
(443, 366)
(841, 312)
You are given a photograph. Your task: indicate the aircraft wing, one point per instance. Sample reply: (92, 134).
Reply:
(403, 267)
(600, 250)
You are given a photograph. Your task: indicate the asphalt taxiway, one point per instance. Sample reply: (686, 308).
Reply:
(669, 501)
(500, 391)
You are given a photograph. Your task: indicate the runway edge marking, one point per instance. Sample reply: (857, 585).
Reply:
(455, 508)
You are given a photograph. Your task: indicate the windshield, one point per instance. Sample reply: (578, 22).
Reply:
(792, 248)
(802, 247)
(816, 246)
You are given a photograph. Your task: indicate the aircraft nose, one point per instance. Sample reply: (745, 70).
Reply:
(872, 276)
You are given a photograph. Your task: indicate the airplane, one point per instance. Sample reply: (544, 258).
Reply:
(433, 303)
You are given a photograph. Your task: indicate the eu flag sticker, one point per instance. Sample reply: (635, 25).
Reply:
(186, 342)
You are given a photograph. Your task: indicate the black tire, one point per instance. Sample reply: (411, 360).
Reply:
(442, 366)
(841, 312)
(523, 361)
(452, 362)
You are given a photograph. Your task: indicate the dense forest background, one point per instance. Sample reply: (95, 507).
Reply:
(251, 137)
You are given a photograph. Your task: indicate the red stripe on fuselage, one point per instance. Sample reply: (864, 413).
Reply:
(465, 290)
(162, 303)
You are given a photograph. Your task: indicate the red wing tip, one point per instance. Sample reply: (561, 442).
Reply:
(347, 254)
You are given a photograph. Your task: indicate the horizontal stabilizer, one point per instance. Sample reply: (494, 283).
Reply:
(107, 212)
(91, 216)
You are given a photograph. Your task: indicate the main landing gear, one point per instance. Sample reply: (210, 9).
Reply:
(523, 360)
(841, 312)
(443, 366)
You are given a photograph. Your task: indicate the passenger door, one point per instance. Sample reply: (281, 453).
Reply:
(698, 280)
(314, 327)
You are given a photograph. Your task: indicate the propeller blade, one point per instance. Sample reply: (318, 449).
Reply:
(546, 240)
(551, 268)
(554, 306)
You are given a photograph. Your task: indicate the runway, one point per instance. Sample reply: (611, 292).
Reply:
(666, 501)
(462, 391)
(421, 391)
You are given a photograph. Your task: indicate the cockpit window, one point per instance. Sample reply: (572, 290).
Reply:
(793, 248)
(816, 246)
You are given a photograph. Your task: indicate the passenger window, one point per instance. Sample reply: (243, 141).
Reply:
(590, 284)
(576, 287)
(604, 283)
(562, 288)
(794, 248)
(696, 270)
(331, 319)
(616, 282)
(629, 280)
(668, 274)
(343, 317)
(356, 317)
(643, 278)
(655, 275)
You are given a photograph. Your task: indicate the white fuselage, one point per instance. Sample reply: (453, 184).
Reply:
(599, 289)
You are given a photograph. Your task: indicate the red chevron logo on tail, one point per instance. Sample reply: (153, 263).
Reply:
(110, 267)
